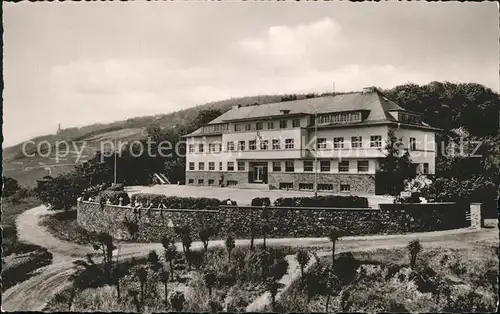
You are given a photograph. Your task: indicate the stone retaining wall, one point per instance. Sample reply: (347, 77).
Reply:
(300, 222)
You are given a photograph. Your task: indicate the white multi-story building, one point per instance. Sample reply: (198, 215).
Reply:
(276, 143)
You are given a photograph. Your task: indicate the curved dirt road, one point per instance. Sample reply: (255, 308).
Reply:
(33, 294)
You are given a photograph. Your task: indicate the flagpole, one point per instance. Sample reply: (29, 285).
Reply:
(114, 180)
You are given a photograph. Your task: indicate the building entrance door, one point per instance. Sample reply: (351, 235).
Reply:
(259, 174)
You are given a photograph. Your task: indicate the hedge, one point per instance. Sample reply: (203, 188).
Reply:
(323, 201)
(261, 201)
(114, 197)
(174, 202)
(116, 187)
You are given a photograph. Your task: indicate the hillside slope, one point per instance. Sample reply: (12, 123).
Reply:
(28, 166)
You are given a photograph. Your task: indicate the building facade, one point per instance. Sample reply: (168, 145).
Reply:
(334, 141)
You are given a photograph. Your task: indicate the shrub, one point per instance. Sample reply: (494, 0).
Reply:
(261, 201)
(114, 197)
(324, 201)
(224, 202)
(116, 187)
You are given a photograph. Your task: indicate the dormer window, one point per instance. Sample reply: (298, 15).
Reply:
(285, 111)
(341, 117)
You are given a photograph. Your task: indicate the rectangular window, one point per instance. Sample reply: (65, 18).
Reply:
(211, 182)
(375, 141)
(308, 166)
(259, 126)
(230, 146)
(241, 166)
(237, 128)
(191, 181)
(289, 166)
(211, 148)
(324, 166)
(276, 166)
(201, 148)
(211, 166)
(270, 125)
(344, 166)
(200, 181)
(230, 166)
(248, 127)
(231, 182)
(338, 142)
(306, 186)
(356, 142)
(413, 143)
(191, 166)
(363, 165)
(252, 145)
(286, 185)
(191, 148)
(296, 123)
(276, 144)
(283, 124)
(321, 143)
(289, 143)
(220, 165)
(201, 166)
(426, 168)
(345, 188)
(325, 187)
(241, 145)
(264, 144)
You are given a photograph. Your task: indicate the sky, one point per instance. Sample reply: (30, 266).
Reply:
(78, 63)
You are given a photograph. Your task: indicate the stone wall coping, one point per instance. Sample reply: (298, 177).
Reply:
(303, 208)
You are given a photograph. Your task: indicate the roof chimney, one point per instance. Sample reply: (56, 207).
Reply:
(370, 89)
(237, 106)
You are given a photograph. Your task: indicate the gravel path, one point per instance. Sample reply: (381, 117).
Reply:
(33, 294)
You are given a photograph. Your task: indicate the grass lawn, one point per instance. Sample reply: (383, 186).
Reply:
(241, 196)
(10, 212)
(445, 279)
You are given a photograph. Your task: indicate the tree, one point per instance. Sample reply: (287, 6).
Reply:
(396, 165)
(142, 275)
(154, 261)
(133, 293)
(205, 234)
(10, 186)
(170, 255)
(230, 245)
(186, 242)
(303, 259)
(105, 244)
(334, 234)
(272, 286)
(210, 278)
(177, 301)
(332, 283)
(414, 247)
(164, 277)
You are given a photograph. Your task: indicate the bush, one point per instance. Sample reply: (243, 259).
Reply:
(174, 202)
(224, 202)
(116, 187)
(261, 201)
(324, 201)
(114, 197)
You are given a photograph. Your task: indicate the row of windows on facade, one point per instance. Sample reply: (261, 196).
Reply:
(308, 166)
(284, 124)
(289, 143)
(285, 185)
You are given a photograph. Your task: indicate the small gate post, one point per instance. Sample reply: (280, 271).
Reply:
(475, 216)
